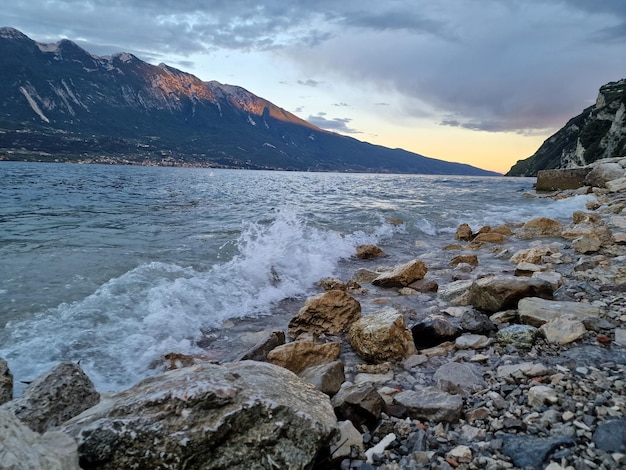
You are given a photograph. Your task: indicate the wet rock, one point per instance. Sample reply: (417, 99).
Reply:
(489, 237)
(332, 283)
(534, 255)
(472, 260)
(571, 178)
(326, 378)
(434, 330)
(23, 449)
(424, 285)
(494, 293)
(259, 352)
(207, 416)
(54, 397)
(6, 382)
(300, 355)
(382, 336)
(402, 275)
(524, 269)
(329, 313)
(464, 233)
(368, 252)
(520, 336)
(532, 452)
(431, 404)
(456, 293)
(563, 330)
(536, 311)
(610, 436)
(458, 378)
(540, 227)
(359, 403)
(365, 276)
(617, 185)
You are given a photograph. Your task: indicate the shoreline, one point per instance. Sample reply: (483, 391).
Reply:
(542, 405)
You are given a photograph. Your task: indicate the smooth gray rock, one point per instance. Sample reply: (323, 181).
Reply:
(610, 436)
(359, 403)
(23, 449)
(530, 451)
(434, 330)
(326, 378)
(259, 351)
(6, 382)
(431, 404)
(243, 415)
(494, 293)
(458, 378)
(535, 311)
(54, 397)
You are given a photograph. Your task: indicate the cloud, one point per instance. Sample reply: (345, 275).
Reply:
(514, 66)
(309, 82)
(335, 124)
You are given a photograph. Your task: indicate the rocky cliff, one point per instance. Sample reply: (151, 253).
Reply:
(58, 102)
(596, 133)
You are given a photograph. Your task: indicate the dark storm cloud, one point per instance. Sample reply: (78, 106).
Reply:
(519, 65)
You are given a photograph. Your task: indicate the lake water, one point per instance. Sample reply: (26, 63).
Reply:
(115, 266)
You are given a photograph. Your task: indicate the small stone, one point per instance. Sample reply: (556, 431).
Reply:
(470, 341)
(463, 233)
(563, 331)
(540, 395)
(472, 260)
(348, 437)
(432, 404)
(620, 337)
(520, 336)
(462, 454)
(457, 378)
(403, 275)
(368, 251)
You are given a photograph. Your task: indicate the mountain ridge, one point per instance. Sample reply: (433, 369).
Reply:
(62, 103)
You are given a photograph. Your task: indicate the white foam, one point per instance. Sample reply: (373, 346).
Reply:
(133, 320)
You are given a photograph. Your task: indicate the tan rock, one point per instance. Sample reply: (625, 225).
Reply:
(527, 269)
(332, 283)
(489, 237)
(402, 275)
(382, 336)
(503, 229)
(540, 227)
(472, 260)
(464, 233)
(329, 313)
(617, 185)
(368, 251)
(533, 255)
(540, 395)
(563, 330)
(365, 276)
(300, 355)
(588, 243)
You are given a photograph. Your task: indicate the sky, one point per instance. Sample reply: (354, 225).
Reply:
(482, 82)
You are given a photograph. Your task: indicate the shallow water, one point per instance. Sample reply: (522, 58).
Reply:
(115, 266)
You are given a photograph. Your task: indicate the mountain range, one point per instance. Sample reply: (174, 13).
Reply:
(598, 132)
(58, 102)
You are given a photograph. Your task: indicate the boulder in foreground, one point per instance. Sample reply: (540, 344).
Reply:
(241, 415)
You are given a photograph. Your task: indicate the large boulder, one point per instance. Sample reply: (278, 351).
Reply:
(431, 404)
(300, 355)
(540, 227)
(402, 275)
(535, 311)
(23, 449)
(243, 415)
(602, 173)
(552, 180)
(382, 336)
(329, 313)
(54, 397)
(494, 293)
(6, 382)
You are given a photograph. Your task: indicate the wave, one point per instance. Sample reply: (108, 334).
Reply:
(131, 321)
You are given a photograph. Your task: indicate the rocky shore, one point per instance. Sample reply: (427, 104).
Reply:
(510, 355)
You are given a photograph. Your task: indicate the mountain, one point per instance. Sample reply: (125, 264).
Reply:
(58, 102)
(598, 132)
